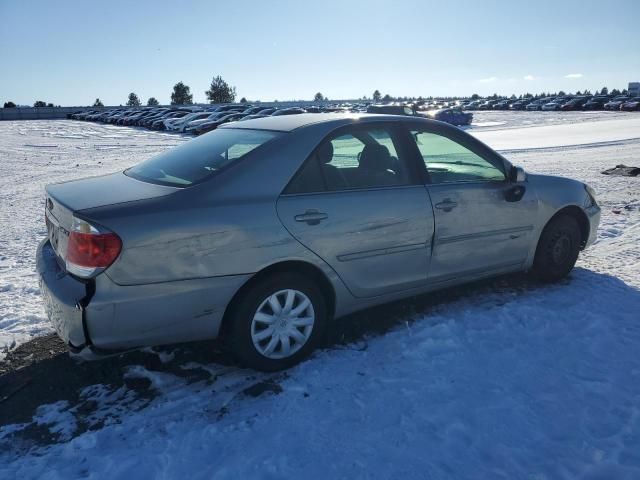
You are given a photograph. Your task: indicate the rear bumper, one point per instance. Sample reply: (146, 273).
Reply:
(63, 297)
(99, 317)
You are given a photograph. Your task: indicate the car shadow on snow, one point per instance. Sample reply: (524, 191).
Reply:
(39, 378)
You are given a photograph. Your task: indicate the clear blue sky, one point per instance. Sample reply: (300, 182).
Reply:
(69, 52)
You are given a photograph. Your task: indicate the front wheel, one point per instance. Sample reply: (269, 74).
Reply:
(557, 249)
(277, 323)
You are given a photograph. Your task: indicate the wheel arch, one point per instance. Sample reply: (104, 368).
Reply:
(579, 215)
(288, 266)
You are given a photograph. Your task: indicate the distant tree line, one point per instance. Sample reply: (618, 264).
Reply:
(222, 92)
(377, 97)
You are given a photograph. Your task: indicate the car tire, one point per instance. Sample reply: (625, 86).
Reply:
(247, 336)
(557, 249)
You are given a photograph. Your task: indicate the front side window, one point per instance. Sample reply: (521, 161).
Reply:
(200, 158)
(358, 158)
(448, 161)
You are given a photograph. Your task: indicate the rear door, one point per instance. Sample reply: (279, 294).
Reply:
(483, 222)
(359, 204)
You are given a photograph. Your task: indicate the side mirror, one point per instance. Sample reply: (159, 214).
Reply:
(518, 174)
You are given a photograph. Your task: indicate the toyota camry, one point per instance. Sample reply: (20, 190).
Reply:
(263, 232)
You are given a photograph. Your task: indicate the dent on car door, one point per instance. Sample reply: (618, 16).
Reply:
(358, 204)
(483, 222)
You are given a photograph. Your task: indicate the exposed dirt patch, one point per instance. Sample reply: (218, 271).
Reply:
(41, 372)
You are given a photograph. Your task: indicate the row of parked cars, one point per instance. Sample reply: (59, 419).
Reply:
(192, 119)
(197, 120)
(561, 102)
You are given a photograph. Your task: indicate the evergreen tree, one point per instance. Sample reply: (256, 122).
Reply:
(152, 102)
(40, 103)
(220, 91)
(98, 103)
(133, 100)
(9, 105)
(387, 98)
(604, 91)
(318, 97)
(181, 95)
(376, 96)
(243, 100)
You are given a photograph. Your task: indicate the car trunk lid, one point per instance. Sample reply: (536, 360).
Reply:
(65, 199)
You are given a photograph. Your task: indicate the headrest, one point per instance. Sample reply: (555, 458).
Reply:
(325, 152)
(375, 157)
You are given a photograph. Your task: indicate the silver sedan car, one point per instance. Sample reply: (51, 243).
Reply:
(264, 231)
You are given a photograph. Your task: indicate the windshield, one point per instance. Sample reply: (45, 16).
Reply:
(200, 158)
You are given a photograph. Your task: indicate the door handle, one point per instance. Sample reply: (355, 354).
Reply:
(447, 205)
(311, 217)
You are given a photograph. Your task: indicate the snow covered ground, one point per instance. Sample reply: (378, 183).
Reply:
(506, 379)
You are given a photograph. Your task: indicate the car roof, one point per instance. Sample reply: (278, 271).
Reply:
(287, 123)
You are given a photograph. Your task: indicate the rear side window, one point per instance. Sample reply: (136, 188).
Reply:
(355, 159)
(200, 158)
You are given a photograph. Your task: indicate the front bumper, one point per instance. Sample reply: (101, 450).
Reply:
(593, 215)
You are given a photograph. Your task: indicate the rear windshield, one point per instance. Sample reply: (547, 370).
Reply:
(200, 158)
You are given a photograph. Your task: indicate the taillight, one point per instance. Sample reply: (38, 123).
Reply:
(90, 250)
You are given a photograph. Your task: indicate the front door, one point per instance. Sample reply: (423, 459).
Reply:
(481, 227)
(359, 205)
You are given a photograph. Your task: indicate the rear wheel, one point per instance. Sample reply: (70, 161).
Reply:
(557, 249)
(277, 322)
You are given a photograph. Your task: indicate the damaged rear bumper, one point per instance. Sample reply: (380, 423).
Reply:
(97, 318)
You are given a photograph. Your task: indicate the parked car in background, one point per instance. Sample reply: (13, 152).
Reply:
(262, 232)
(503, 104)
(488, 104)
(85, 114)
(520, 104)
(256, 110)
(596, 103)
(454, 116)
(473, 105)
(631, 105)
(536, 105)
(556, 103)
(159, 123)
(127, 116)
(288, 111)
(263, 113)
(191, 126)
(179, 124)
(230, 108)
(111, 114)
(73, 115)
(390, 109)
(615, 103)
(574, 104)
(213, 124)
(170, 113)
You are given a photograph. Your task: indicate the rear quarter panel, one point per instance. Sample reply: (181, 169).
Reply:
(227, 225)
